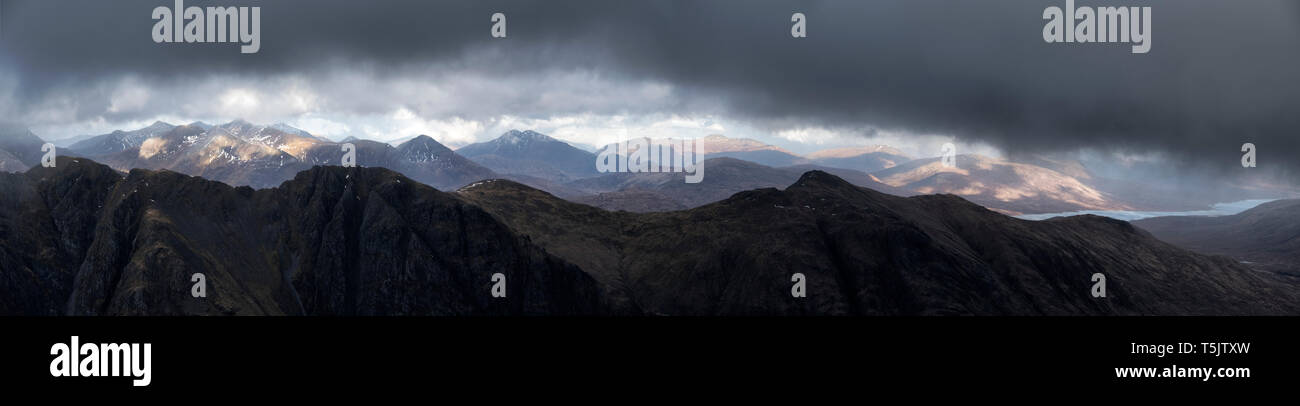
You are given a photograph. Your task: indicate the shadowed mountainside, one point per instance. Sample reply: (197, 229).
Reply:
(82, 239)
(1265, 237)
(869, 253)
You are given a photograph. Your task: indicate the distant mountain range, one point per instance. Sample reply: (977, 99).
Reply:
(533, 154)
(81, 238)
(718, 146)
(1007, 186)
(865, 159)
(723, 178)
(19, 148)
(119, 140)
(1266, 237)
(241, 153)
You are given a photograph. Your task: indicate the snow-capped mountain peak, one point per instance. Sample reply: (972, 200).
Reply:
(523, 137)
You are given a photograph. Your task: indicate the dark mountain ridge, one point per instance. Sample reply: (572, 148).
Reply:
(83, 239)
(869, 253)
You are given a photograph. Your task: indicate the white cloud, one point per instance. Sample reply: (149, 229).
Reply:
(812, 138)
(239, 103)
(322, 126)
(130, 96)
(455, 104)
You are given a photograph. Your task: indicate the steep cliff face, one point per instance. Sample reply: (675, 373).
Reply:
(400, 247)
(333, 241)
(47, 223)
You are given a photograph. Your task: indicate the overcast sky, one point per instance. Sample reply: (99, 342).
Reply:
(911, 72)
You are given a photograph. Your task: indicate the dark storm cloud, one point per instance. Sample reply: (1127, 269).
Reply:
(1219, 73)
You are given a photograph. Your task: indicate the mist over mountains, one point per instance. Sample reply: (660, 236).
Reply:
(19, 148)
